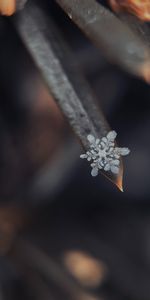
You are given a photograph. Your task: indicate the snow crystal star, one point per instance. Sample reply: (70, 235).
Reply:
(103, 154)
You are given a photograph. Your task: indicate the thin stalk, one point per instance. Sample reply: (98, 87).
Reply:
(67, 85)
(118, 42)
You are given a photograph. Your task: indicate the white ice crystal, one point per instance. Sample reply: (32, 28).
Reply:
(103, 154)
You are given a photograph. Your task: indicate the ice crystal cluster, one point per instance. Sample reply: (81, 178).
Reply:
(103, 153)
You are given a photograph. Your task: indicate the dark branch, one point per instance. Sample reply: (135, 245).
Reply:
(66, 84)
(119, 43)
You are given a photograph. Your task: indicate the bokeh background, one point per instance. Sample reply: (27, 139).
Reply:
(63, 234)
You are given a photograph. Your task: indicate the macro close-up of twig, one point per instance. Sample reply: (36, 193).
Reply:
(74, 130)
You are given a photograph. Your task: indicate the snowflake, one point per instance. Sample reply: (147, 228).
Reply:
(104, 154)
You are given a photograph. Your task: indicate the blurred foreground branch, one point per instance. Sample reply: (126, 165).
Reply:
(35, 261)
(118, 42)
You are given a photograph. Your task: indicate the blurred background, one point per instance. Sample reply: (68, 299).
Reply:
(63, 234)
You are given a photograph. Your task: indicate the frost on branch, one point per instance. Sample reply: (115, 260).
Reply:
(103, 154)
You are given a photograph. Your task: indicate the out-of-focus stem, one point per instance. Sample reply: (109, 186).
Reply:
(117, 41)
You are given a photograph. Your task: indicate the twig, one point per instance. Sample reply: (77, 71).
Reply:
(59, 69)
(124, 274)
(34, 259)
(119, 44)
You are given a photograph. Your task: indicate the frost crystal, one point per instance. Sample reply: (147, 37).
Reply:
(104, 154)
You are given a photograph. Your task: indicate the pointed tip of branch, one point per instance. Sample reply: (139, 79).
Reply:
(120, 188)
(118, 179)
(119, 182)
